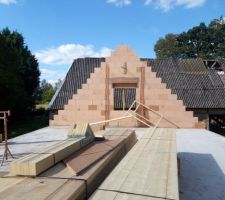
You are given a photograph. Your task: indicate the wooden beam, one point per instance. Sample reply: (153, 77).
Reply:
(107, 93)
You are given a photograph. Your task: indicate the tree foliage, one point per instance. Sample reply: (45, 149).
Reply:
(206, 42)
(19, 73)
(47, 91)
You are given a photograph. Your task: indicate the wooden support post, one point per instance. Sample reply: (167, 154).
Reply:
(142, 89)
(6, 151)
(107, 101)
(123, 99)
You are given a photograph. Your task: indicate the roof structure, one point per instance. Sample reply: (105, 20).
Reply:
(77, 75)
(193, 82)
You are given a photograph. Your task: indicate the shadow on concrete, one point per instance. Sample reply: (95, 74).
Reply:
(201, 178)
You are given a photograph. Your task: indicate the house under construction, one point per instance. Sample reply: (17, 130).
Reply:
(188, 92)
(124, 127)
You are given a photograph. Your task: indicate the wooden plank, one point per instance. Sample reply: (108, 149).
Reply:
(111, 195)
(8, 182)
(85, 158)
(39, 188)
(34, 164)
(63, 149)
(107, 100)
(148, 169)
(81, 130)
(59, 183)
(72, 189)
(60, 170)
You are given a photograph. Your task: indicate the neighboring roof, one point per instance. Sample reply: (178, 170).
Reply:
(77, 75)
(193, 83)
(190, 79)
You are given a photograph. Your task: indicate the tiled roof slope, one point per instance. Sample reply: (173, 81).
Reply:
(77, 75)
(193, 83)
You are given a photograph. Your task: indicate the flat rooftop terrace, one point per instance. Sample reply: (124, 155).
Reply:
(201, 153)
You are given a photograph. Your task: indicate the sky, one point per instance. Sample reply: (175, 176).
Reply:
(58, 31)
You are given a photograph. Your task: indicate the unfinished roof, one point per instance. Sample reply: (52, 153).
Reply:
(190, 79)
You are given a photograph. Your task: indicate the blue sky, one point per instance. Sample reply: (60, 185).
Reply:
(57, 31)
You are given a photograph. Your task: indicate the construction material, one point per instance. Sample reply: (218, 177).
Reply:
(107, 100)
(32, 165)
(99, 137)
(80, 130)
(86, 157)
(39, 161)
(6, 151)
(139, 117)
(58, 182)
(149, 170)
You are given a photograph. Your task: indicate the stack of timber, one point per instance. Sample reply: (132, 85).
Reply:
(37, 162)
(76, 176)
(148, 172)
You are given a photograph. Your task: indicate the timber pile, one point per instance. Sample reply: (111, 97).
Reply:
(37, 162)
(68, 179)
(149, 170)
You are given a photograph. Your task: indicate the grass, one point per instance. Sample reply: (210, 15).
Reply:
(42, 106)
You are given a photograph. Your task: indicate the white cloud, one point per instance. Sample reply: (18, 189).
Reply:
(119, 3)
(51, 76)
(65, 54)
(166, 5)
(7, 1)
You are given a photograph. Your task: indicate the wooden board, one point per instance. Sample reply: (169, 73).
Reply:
(86, 157)
(111, 195)
(32, 164)
(35, 163)
(81, 130)
(149, 169)
(58, 182)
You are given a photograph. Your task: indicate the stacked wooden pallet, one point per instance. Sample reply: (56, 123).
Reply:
(149, 170)
(62, 181)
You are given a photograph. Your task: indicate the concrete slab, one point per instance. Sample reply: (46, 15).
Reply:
(31, 142)
(201, 152)
(202, 160)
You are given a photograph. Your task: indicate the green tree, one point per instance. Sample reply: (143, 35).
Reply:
(19, 73)
(167, 47)
(47, 91)
(207, 42)
(57, 84)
